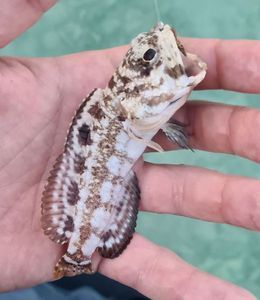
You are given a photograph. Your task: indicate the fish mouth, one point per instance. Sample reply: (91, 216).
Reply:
(159, 26)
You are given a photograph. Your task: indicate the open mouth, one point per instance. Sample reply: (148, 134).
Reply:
(194, 67)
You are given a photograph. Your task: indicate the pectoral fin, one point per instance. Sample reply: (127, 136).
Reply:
(175, 132)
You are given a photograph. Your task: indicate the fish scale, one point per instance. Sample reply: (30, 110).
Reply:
(91, 198)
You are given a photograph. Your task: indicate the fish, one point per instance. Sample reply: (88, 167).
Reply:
(91, 198)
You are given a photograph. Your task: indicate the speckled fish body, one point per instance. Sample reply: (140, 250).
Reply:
(91, 198)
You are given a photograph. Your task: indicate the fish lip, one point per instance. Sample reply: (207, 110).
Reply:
(159, 26)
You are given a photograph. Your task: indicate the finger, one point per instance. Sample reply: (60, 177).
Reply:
(18, 15)
(160, 274)
(201, 194)
(232, 65)
(225, 60)
(220, 128)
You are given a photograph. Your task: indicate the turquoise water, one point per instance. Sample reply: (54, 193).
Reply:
(71, 26)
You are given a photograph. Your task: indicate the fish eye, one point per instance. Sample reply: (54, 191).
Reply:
(149, 54)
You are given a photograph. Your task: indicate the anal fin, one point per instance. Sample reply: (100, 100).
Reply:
(121, 230)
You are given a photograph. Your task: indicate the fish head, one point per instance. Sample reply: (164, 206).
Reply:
(155, 77)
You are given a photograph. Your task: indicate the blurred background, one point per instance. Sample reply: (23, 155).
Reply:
(71, 26)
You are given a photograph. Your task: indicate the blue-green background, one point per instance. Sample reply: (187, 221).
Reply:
(72, 26)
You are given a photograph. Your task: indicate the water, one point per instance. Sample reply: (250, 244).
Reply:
(71, 26)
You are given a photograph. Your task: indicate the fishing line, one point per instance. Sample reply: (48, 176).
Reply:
(157, 11)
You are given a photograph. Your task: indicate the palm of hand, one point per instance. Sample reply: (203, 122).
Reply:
(36, 108)
(37, 100)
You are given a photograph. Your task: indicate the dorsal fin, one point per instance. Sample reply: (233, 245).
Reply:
(59, 197)
(61, 192)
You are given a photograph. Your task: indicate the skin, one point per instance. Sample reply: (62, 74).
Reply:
(37, 100)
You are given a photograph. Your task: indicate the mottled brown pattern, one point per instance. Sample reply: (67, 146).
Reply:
(121, 118)
(158, 63)
(77, 256)
(106, 235)
(101, 173)
(176, 72)
(139, 65)
(107, 99)
(56, 184)
(84, 135)
(181, 48)
(134, 92)
(63, 267)
(77, 116)
(84, 102)
(124, 79)
(92, 144)
(111, 83)
(73, 193)
(79, 165)
(160, 99)
(96, 111)
(148, 38)
(124, 63)
(143, 68)
(85, 232)
(69, 224)
(121, 81)
(179, 44)
(152, 40)
(131, 198)
(118, 210)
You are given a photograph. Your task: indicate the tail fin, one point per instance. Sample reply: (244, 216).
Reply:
(64, 268)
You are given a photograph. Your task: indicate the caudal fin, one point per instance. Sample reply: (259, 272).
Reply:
(64, 268)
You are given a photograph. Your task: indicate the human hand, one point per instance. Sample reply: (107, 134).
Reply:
(37, 100)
